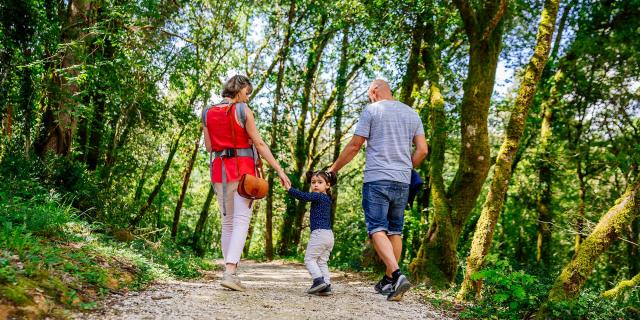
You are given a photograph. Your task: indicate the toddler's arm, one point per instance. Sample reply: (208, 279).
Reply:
(305, 196)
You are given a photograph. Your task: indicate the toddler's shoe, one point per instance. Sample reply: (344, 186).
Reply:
(318, 285)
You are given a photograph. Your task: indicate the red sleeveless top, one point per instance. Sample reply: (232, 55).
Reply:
(220, 120)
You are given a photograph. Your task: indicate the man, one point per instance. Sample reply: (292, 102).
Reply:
(389, 127)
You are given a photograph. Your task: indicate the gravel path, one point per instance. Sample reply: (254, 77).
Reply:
(276, 291)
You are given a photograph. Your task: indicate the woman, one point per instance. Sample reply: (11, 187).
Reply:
(230, 134)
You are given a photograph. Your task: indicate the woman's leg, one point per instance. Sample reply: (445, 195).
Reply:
(226, 220)
(241, 218)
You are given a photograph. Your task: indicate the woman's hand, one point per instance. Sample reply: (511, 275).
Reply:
(286, 183)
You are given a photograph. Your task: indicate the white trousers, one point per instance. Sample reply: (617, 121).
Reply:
(318, 252)
(235, 224)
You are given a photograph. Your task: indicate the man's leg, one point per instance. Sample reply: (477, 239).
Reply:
(375, 202)
(399, 193)
(385, 251)
(396, 243)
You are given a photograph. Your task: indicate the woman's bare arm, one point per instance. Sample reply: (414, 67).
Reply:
(207, 141)
(262, 147)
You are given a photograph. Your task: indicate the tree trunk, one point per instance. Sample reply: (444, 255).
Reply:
(292, 220)
(8, 122)
(341, 89)
(411, 73)
(634, 248)
(492, 207)
(610, 227)
(545, 175)
(103, 51)
(436, 262)
(185, 185)
(59, 121)
(95, 132)
(141, 182)
(163, 176)
(273, 145)
(438, 138)
(202, 220)
(582, 193)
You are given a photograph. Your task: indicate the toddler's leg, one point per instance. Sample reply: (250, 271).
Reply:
(323, 259)
(314, 250)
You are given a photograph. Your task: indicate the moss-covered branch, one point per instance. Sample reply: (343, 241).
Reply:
(609, 228)
(622, 286)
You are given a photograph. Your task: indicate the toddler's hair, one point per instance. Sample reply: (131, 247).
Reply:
(330, 179)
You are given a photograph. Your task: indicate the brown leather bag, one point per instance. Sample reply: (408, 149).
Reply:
(251, 187)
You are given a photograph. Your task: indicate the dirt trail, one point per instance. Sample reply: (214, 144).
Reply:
(276, 291)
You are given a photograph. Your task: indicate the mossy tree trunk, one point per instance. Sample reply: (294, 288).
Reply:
(610, 227)
(492, 207)
(436, 262)
(437, 140)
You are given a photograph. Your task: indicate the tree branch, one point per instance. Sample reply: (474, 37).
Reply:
(502, 8)
(468, 16)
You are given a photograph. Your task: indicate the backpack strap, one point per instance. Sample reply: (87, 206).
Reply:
(204, 116)
(241, 113)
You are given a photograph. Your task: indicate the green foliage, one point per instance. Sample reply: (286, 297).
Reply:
(129, 76)
(506, 293)
(590, 305)
(46, 247)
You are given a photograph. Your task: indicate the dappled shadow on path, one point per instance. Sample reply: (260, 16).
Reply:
(276, 290)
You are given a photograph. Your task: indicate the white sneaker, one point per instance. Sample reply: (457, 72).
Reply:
(231, 281)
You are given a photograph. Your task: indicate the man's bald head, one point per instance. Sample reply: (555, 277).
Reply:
(379, 90)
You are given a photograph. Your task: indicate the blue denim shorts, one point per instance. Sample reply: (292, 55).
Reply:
(384, 202)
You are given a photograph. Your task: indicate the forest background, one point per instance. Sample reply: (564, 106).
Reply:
(531, 111)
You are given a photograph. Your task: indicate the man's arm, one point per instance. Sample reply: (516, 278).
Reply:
(348, 153)
(422, 149)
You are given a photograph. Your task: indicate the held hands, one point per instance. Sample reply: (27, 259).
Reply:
(284, 180)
